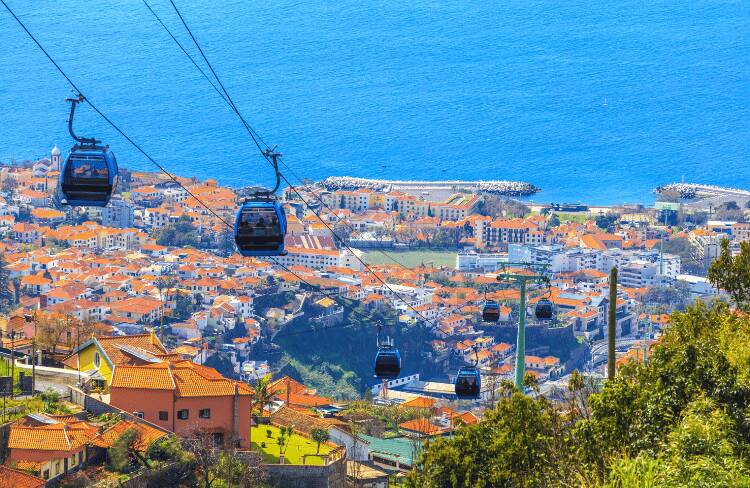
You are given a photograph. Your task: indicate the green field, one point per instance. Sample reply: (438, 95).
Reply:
(410, 258)
(297, 447)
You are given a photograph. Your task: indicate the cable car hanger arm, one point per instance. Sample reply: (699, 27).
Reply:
(83, 140)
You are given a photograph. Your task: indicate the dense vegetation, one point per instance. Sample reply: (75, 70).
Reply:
(338, 360)
(682, 419)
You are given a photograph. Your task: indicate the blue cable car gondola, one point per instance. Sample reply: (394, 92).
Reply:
(543, 309)
(89, 175)
(387, 360)
(491, 311)
(468, 381)
(260, 226)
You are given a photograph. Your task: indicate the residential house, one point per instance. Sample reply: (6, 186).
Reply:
(98, 356)
(184, 397)
(49, 445)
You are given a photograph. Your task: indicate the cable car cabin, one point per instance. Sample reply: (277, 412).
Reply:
(260, 228)
(387, 363)
(89, 176)
(468, 383)
(543, 310)
(491, 312)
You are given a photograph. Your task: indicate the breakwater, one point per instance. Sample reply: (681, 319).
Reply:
(498, 187)
(691, 191)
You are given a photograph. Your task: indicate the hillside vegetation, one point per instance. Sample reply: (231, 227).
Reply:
(682, 420)
(338, 361)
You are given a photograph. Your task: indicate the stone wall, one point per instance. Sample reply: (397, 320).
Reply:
(298, 476)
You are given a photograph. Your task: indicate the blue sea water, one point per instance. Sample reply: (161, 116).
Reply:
(591, 100)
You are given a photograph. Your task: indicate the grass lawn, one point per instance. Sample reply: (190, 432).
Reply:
(297, 447)
(577, 217)
(410, 258)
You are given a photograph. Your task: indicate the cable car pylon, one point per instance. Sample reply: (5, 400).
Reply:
(528, 275)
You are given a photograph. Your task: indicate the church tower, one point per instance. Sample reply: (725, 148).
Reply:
(56, 166)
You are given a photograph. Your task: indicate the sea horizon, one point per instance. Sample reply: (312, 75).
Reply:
(565, 97)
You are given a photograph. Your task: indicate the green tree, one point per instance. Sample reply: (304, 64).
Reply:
(319, 436)
(124, 455)
(165, 449)
(233, 471)
(262, 396)
(701, 451)
(283, 438)
(604, 221)
(732, 273)
(178, 234)
(554, 221)
(672, 297)
(512, 446)
(184, 306)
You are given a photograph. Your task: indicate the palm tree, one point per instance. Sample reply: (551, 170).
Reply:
(262, 397)
(319, 436)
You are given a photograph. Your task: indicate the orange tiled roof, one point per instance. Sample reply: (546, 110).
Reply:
(146, 434)
(185, 378)
(10, 478)
(117, 355)
(419, 402)
(422, 426)
(58, 436)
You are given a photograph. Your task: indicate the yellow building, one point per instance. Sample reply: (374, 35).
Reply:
(98, 356)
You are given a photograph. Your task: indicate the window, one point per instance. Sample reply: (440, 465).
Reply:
(57, 467)
(45, 474)
(183, 414)
(163, 415)
(97, 360)
(138, 414)
(204, 413)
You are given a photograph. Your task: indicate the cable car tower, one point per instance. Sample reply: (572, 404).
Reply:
(529, 273)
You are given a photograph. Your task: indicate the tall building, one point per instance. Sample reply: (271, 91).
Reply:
(118, 213)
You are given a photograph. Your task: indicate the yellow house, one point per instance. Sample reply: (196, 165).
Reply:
(98, 356)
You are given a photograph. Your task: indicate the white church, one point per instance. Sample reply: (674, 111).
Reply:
(44, 166)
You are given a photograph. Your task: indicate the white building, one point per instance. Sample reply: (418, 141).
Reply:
(471, 261)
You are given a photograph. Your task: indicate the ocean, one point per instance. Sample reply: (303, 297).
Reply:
(593, 101)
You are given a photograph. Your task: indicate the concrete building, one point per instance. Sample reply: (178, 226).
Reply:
(118, 214)
(473, 261)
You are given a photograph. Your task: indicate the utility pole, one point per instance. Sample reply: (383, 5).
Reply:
(612, 323)
(12, 363)
(521, 279)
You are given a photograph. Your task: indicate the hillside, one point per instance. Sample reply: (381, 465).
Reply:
(339, 361)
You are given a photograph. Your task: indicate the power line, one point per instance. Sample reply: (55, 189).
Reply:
(198, 200)
(255, 140)
(254, 133)
(142, 151)
(182, 48)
